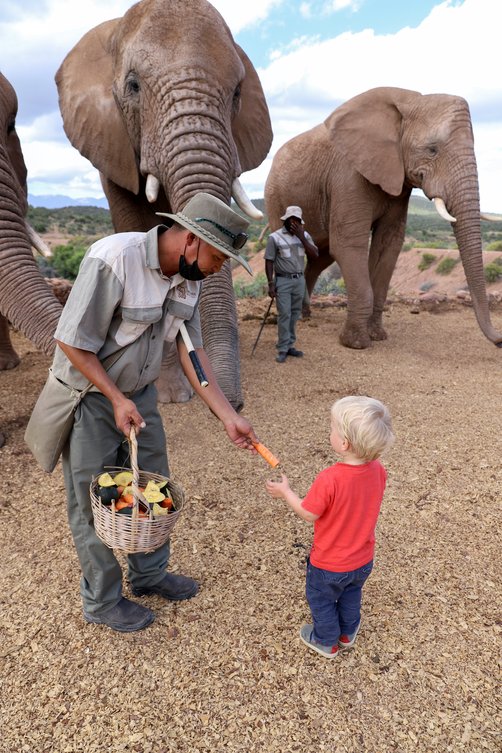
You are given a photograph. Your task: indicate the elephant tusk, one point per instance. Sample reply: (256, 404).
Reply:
(490, 217)
(243, 201)
(37, 243)
(152, 188)
(442, 211)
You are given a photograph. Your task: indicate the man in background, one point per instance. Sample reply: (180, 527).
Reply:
(284, 265)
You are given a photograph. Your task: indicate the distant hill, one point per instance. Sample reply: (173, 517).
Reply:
(74, 217)
(71, 220)
(57, 202)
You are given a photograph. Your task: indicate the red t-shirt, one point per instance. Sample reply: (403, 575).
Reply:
(347, 499)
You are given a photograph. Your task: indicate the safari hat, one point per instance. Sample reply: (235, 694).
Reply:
(293, 212)
(214, 222)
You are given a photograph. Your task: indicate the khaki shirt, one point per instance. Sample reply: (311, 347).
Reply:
(121, 300)
(286, 251)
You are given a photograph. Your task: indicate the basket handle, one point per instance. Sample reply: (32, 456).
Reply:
(133, 444)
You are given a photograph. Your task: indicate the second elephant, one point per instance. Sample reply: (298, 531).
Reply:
(353, 176)
(26, 300)
(165, 104)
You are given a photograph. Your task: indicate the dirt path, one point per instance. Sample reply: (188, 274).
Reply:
(226, 670)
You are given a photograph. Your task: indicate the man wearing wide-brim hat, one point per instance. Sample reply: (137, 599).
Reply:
(133, 291)
(284, 266)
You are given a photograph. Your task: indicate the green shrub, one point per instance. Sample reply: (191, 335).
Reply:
(446, 265)
(426, 261)
(257, 288)
(436, 244)
(495, 246)
(493, 270)
(66, 259)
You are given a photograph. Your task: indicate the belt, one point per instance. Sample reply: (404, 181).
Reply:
(291, 275)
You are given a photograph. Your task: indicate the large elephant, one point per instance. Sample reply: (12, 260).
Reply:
(164, 104)
(26, 300)
(353, 176)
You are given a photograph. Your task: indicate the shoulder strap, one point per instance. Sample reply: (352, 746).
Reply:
(106, 364)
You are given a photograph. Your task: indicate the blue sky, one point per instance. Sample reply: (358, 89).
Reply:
(311, 56)
(320, 21)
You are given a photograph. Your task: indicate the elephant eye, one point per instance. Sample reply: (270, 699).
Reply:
(132, 85)
(11, 127)
(432, 150)
(237, 94)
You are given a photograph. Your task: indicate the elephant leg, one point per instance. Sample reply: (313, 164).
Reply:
(313, 269)
(172, 384)
(352, 257)
(386, 244)
(9, 359)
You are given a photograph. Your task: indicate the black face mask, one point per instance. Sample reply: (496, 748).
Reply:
(190, 271)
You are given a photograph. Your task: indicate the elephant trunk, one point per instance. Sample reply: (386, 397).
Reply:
(220, 333)
(197, 151)
(467, 232)
(26, 299)
(203, 158)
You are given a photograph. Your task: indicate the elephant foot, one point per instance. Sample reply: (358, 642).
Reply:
(376, 331)
(2, 439)
(172, 384)
(174, 394)
(9, 360)
(306, 313)
(356, 338)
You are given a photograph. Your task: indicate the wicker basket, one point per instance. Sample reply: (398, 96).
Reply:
(133, 534)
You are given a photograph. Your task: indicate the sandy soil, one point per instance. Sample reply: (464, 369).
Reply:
(226, 670)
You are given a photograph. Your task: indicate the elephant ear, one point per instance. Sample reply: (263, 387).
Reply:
(91, 119)
(366, 130)
(252, 129)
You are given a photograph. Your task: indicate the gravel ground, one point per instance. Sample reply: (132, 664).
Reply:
(226, 671)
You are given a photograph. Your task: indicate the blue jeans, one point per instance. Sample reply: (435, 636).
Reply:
(335, 601)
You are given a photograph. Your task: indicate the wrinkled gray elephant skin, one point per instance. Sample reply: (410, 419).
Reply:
(353, 176)
(165, 104)
(26, 301)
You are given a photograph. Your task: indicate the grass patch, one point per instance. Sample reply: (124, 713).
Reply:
(426, 261)
(446, 265)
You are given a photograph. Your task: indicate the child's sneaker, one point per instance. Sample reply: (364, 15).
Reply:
(306, 632)
(347, 641)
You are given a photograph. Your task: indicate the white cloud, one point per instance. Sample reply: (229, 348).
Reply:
(454, 50)
(56, 168)
(337, 5)
(240, 15)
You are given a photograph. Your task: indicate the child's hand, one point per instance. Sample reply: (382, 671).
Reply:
(278, 489)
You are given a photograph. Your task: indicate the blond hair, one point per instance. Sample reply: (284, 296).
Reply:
(366, 425)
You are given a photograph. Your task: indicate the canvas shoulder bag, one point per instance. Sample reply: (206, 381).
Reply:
(52, 418)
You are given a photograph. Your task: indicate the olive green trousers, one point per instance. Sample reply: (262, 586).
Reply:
(95, 443)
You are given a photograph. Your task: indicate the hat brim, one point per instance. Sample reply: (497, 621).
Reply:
(208, 237)
(288, 217)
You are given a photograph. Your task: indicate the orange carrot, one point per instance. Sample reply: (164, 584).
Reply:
(266, 454)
